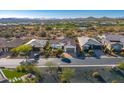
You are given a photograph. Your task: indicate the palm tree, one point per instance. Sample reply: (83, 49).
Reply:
(47, 49)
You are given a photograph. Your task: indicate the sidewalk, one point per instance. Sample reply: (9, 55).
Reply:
(111, 57)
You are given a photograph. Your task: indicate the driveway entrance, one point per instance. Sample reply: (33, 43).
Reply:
(98, 53)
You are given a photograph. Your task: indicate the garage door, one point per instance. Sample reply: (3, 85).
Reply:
(70, 50)
(97, 47)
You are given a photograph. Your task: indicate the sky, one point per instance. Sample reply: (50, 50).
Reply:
(60, 13)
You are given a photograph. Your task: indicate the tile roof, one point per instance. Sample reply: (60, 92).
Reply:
(37, 43)
(114, 37)
(12, 43)
(65, 41)
(3, 42)
(15, 43)
(86, 40)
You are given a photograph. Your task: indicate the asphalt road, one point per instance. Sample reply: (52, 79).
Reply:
(87, 62)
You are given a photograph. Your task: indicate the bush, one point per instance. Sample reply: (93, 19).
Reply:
(30, 69)
(30, 80)
(21, 69)
(48, 28)
(91, 52)
(96, 75)
(14, 52)
(113, 50)
(59, 51)
(67, 74)
(114, 81)
(51, 67)
(122, 53)
(23, 49)
(43, 34)
(121, 66)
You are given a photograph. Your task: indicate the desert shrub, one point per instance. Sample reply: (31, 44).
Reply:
(67, 74)
(21, 69)
(121, 66)
(122, 53)
(96, 75)
(91, 52)
(114, 81)
(43, 34)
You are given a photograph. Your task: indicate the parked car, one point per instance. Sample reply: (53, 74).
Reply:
(36, 56)
(67, 60)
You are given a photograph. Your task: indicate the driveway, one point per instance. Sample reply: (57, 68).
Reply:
(99, 53)
(4, 55)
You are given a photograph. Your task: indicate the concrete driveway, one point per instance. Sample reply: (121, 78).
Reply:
(99, 53)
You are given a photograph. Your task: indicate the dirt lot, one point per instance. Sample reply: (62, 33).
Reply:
(84, 75)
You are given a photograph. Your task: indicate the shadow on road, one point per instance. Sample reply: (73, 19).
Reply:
(101, 80)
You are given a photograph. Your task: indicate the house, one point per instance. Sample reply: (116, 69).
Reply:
(15, 43)
(108, 23)
(87, 43)
(115, 42)
(6, 45)
(56, 43)
(3, 43)
(67, 44)
(37, 44)
(82, 28)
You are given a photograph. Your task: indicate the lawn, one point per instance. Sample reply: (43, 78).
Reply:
(10, 74)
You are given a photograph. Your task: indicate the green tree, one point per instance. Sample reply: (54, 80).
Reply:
(67, 74)
(30, 80)
(91, 52)
(59, 51)
(48, 28)
(47, 49)
(43, 34)
(36, 28)
(22, 50)
(114, 81)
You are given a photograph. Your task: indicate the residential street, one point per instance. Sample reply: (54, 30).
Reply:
(87, 62)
